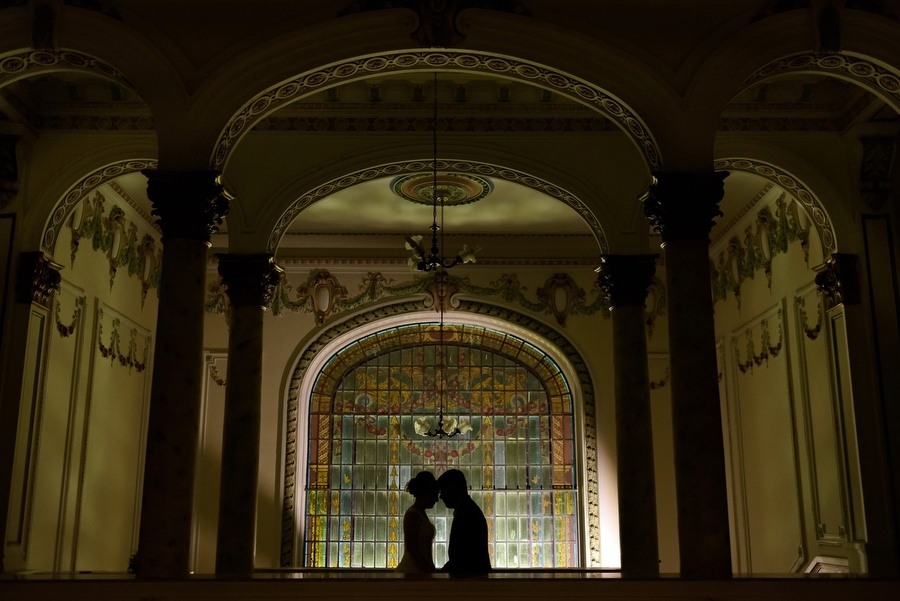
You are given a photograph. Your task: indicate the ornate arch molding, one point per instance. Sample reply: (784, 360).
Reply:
(448, 60)
(543, 330)
(33, 62)
(457, 166)
(76, 193)
(879, 79)
(793, 185)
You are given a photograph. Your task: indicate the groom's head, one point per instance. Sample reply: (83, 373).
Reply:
(453, 487)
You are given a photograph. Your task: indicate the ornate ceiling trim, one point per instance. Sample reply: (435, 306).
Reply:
(32, 62)
(877, 79)
(445, 165)
(591, 510)
(793, 186)
(264, 103)
(76, 193)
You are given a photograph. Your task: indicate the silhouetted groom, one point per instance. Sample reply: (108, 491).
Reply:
(468, 549)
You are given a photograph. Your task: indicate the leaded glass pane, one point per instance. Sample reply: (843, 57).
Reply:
(516, 449)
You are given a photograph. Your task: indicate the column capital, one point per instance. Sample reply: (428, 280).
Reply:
(38, 278)
(188, 204)
(249, 279)
(682, 206)
(626, 278)
(838, 280)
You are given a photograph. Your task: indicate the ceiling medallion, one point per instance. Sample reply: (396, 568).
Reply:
(455, 188)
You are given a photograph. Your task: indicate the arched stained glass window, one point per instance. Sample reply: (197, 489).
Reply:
(368, 407)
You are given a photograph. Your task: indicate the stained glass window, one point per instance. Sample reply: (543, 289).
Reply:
(514, 409)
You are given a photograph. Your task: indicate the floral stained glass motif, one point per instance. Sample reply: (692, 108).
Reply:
(369, 407)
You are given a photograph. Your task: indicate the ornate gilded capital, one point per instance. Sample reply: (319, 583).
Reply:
(249, 279)
(188, 204)
(838, 280)
(38, 278)
(626, 278)
(682, 206)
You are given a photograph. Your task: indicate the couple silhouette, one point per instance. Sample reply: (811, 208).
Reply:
(468, 547)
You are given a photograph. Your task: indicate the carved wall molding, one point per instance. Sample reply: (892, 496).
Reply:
(795, 188)
(65, 330)
(591, 511)
(117, 239)
(427, 165)
(744, 256)
(768, 349)
(80, 190)
(880, 80)
(113, 351)
(811, 331)
(486, 122)
(308, 296)
(31, 62)
(582, 91)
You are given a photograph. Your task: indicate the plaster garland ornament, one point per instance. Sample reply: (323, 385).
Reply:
(77, 193)
(66, 330)
(740, 260)
(768, 349)
(811, 332)
(795, 188)
(117, 238)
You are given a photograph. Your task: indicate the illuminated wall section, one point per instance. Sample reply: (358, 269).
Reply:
(368, 408)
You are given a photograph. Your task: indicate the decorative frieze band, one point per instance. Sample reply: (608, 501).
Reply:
(265, 103)
(741, 259)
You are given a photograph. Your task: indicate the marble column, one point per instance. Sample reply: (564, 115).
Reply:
(188, 206)
(682, 206)
(37, 279)
(249, 281)
(875, 421)
(626, 279)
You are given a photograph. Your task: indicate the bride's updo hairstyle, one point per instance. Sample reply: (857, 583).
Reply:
(422, 483)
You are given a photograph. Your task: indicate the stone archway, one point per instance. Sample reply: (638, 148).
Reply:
(446, 60)
(579, 374)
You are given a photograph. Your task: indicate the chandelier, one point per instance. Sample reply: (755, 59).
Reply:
(440, 196)
(435, 262)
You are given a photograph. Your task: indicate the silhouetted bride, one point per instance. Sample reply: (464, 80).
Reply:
(418, 531)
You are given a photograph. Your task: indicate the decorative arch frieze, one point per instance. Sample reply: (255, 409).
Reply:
(427, 165)
(810, 202)
(80, 191)
(878, 79)
(548, 333)
(33, 62)
(582, 91)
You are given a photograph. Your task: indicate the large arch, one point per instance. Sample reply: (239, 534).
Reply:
(313, 352)
(366, 67)
(457, 166)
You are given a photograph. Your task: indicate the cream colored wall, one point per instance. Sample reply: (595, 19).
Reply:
(286, 335)
(82, 488)
(790, 482)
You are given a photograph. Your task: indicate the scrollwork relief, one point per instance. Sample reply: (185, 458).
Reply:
(324, 296)
(117, 238)
(742, 259)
